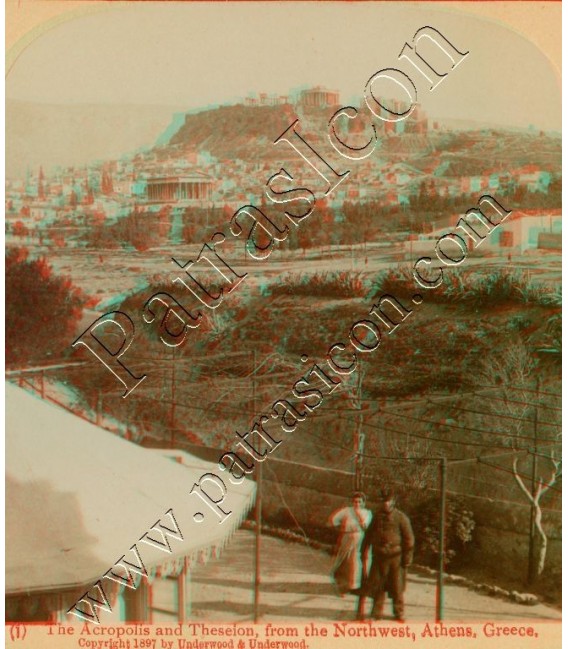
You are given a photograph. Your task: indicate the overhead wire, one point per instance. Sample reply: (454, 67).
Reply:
(433, 439)
(531, 404)
(524, 389)
(469, 428)
(503, 416)
(469, 495)
(521, 475)
(434, 400)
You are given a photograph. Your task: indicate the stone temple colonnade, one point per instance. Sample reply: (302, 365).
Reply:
(172, 189)
(320, 97)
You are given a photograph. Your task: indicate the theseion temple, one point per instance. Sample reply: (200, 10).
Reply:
(172, 189)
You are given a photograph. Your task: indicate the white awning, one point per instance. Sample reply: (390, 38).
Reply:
(78, 498)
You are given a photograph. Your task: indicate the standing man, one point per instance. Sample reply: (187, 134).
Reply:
(392, 541)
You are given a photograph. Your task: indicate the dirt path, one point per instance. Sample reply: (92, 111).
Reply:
(295, 587)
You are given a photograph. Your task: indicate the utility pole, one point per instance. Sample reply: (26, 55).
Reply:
(257, 510)
(442, 543)
(173, 400)
(359, 438)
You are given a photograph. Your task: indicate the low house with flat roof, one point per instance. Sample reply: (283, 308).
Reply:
(79, 499)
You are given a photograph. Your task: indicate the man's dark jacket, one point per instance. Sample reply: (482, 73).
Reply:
(390, 534)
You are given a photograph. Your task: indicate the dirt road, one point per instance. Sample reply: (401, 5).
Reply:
(296, 587)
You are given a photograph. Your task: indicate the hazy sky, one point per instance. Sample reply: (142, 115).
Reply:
(196, 54)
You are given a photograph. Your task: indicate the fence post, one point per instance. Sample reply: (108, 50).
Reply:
(442, 542)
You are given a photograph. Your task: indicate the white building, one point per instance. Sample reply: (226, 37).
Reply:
(78, 498)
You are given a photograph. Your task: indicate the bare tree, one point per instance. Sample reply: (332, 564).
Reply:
(516, 414)
(541, 487)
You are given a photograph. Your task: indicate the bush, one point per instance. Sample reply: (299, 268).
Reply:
(42, 310)
(503, 286)
(460, 524)
(339, 284)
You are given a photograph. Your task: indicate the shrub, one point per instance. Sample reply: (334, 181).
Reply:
(503, 286)
(395, 281)
(551, 296)
(460, 524)
(42, 310)
(338, 284)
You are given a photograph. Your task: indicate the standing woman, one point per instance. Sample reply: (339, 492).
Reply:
(351, 521)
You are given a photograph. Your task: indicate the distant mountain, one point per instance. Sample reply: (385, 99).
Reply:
(50, 135)
(474, 125)
(176, 123)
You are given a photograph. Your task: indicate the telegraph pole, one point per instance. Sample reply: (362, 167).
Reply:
(359, 438)
(442, 543)
(257, 510)
(173, 400)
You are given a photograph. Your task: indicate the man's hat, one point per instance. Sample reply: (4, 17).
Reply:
(386, 494)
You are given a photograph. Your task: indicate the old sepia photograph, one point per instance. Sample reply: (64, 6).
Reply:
(283, 324)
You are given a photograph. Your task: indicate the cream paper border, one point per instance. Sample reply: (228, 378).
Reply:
(549, 635)
(539, 22)
(27, 20)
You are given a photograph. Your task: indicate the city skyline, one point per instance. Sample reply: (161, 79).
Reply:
(185, 68)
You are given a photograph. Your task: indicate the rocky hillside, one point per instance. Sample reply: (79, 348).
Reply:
(230, 132)
(243, 132)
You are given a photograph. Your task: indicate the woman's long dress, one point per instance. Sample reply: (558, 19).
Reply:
(347, 570)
